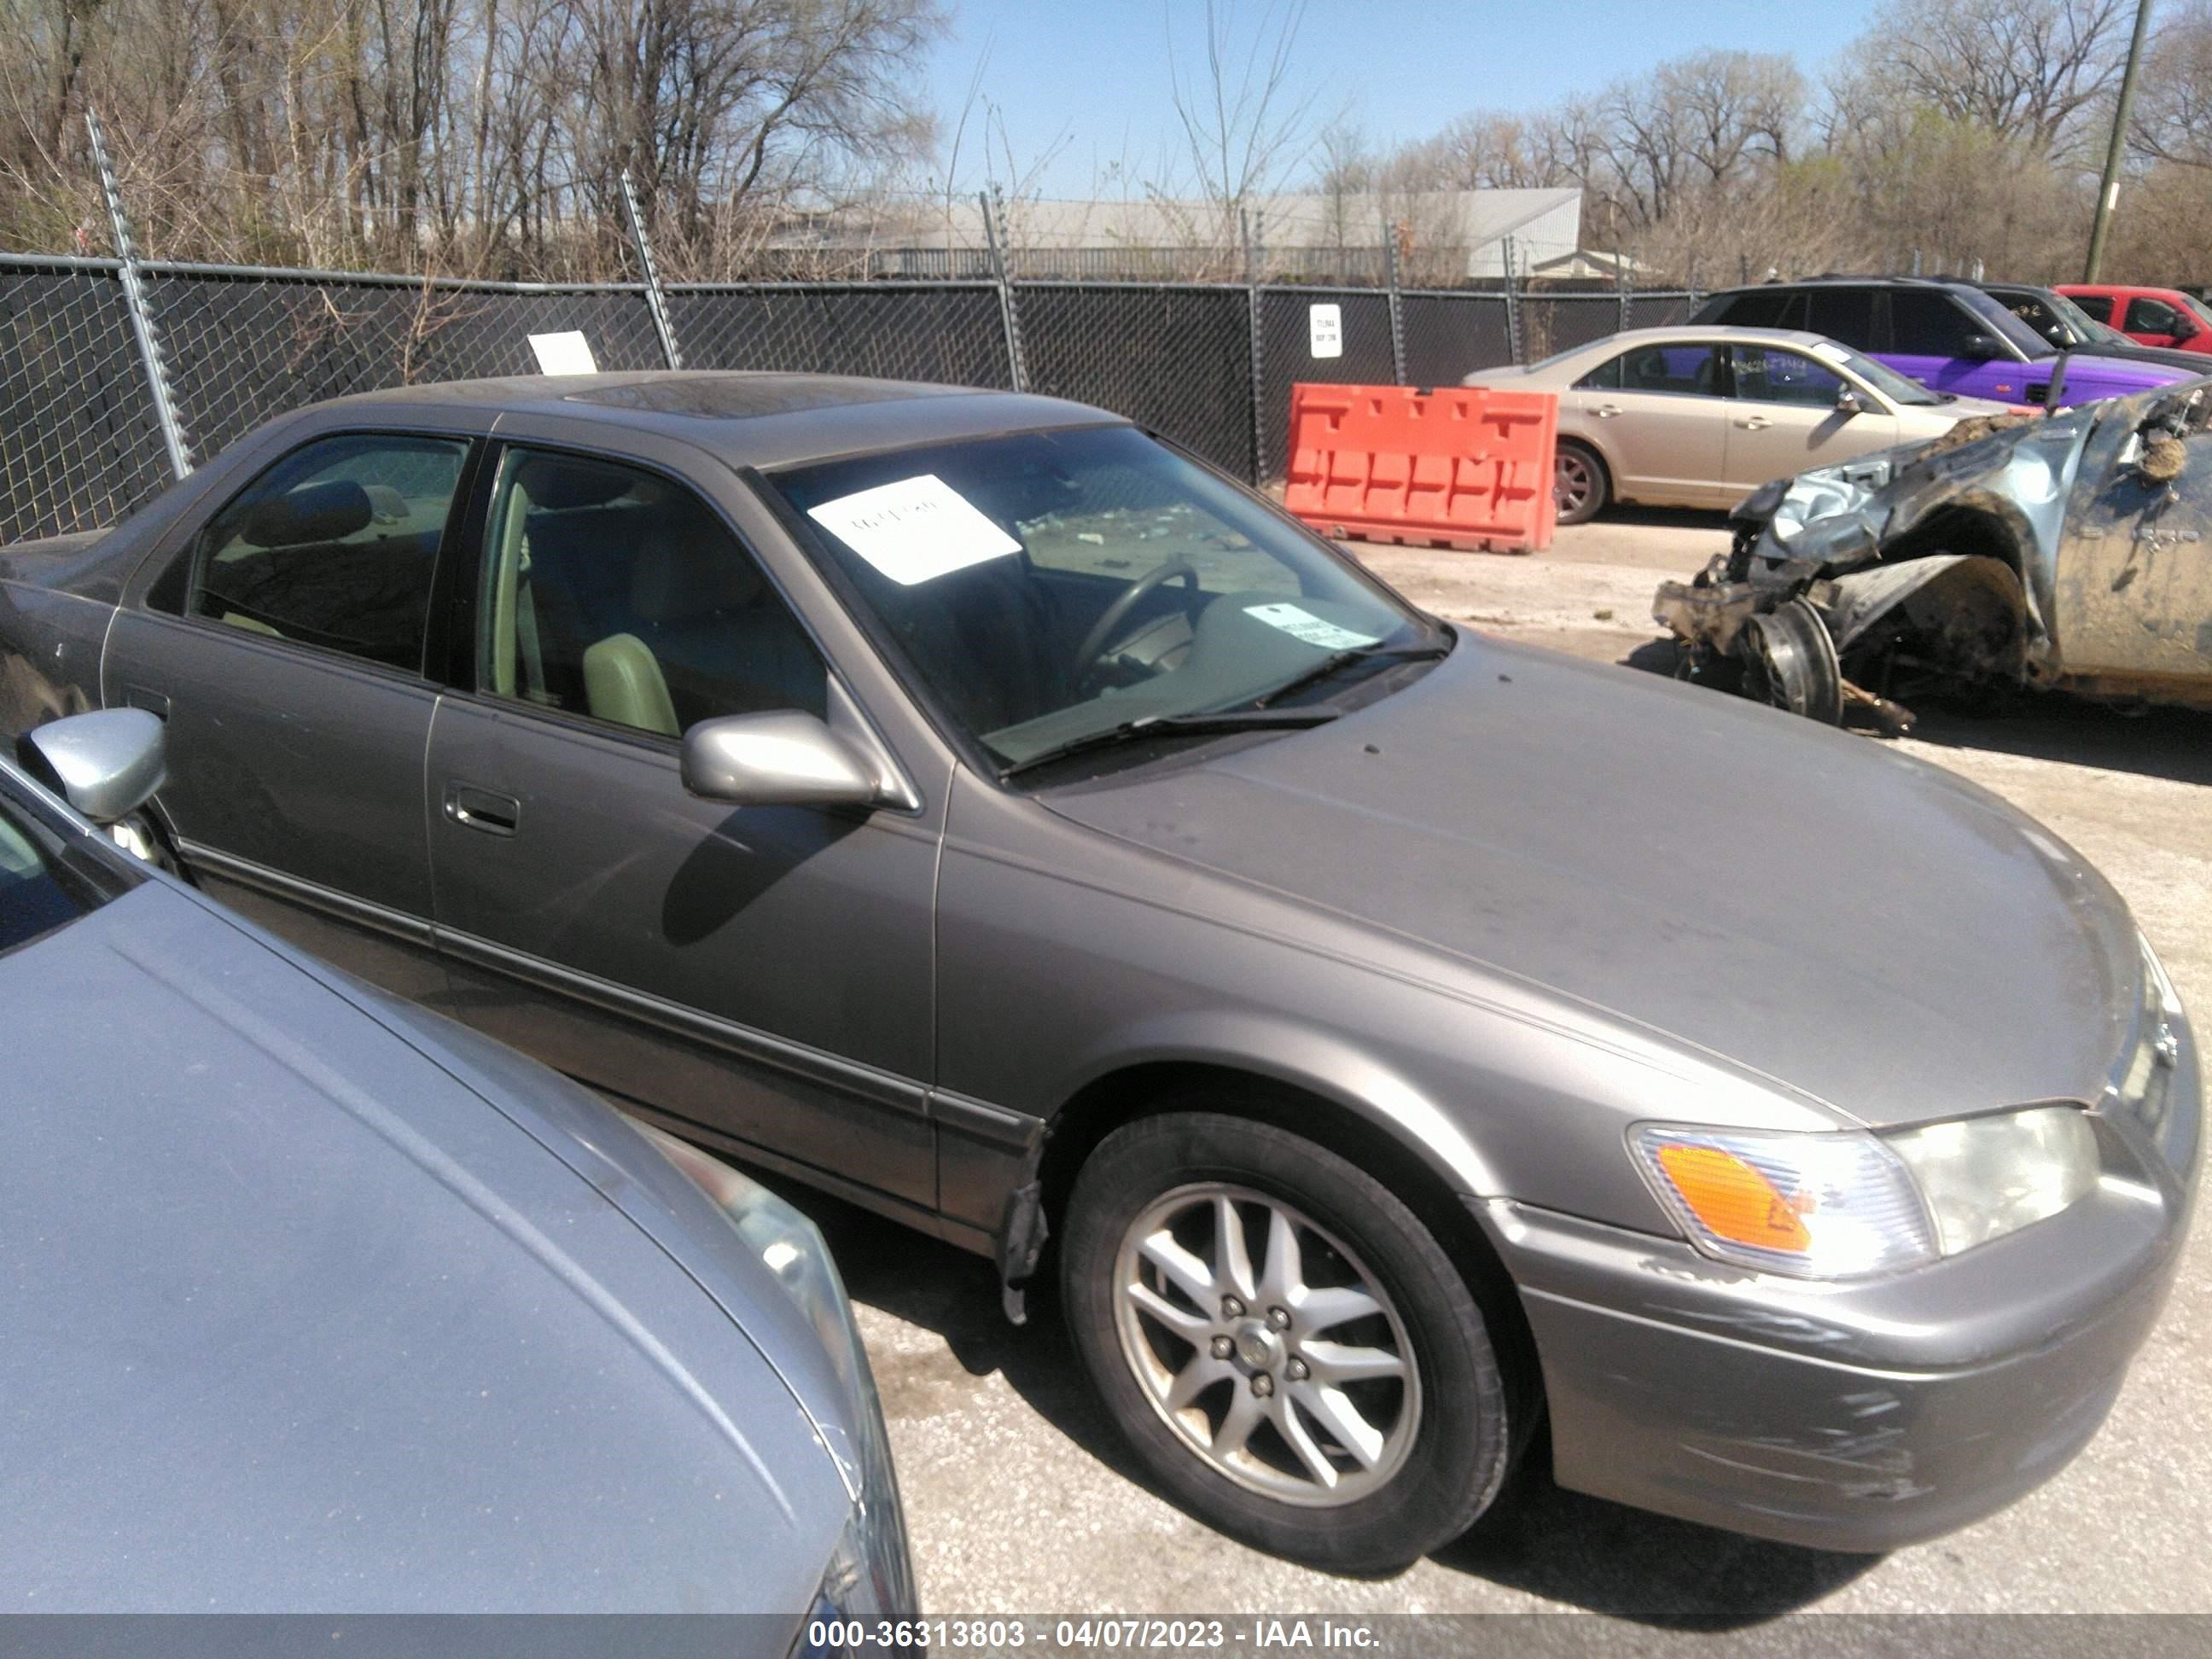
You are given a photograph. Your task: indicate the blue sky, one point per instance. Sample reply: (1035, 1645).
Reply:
(1095, 71)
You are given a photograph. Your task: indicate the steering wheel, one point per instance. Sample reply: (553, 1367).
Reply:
(1094, 643)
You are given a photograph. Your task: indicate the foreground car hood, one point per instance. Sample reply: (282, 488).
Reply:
(1863, 927)
(296, 1321)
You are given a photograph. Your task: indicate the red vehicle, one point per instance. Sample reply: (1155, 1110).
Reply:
(2148, 316)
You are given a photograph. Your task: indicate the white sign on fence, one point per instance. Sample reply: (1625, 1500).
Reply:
(566, 353)
(1325, 330)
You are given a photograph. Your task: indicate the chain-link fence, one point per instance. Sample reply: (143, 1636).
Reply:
(82, 444)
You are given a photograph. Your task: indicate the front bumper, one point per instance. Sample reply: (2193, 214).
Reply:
(1858, 1417)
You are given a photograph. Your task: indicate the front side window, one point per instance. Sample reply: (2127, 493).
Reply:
(613, 593)
(1764, 374)
(2149, 316)
(334, 546)
(1048, 587)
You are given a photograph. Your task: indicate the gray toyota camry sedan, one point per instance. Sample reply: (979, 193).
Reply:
(1390, 1039)
(310, 1301)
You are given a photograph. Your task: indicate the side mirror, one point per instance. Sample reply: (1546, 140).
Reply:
(2058, 335)
(106, 764)
(1980, 347)
(1847, 402)
(784, 759)
(2184, 327)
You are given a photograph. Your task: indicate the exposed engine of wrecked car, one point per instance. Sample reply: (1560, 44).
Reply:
(2015, 551)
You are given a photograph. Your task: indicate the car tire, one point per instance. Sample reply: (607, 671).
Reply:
(1580, 484)
(1416, 1458)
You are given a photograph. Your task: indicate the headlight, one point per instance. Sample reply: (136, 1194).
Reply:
(1853, 1204)
(870, 1571)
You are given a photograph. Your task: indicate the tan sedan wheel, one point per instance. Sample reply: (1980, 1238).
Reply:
(1579, 485)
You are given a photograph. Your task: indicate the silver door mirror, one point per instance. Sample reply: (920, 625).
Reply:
(784, 759)
(106, 764)
(1847, 402)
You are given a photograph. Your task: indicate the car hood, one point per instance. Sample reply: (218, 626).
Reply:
(297, 1320)
(1862, 926)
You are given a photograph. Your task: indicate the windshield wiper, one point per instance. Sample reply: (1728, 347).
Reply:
(1337, 661)
(1199, 725)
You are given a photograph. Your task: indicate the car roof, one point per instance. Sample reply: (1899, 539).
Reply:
(1690, 332)
(1839, 279)
(750, 418)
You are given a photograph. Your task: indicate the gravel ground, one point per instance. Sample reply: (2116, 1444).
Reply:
(1020, 1501)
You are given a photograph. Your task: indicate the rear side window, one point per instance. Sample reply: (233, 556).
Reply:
(1606, 377)
(2099, 306)
(1757, 307)
(1685, 370)
(1845, 314)
(1924, 323)
(334, 546)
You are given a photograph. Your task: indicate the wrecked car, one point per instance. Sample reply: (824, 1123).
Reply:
(2017, 552)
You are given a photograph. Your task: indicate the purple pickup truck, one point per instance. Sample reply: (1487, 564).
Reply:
(1947, 336)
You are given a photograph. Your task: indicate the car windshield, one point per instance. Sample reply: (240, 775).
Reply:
(2085, 327)
(47, 878)
(1881, 376)
(1051, 588)
(2000, 317)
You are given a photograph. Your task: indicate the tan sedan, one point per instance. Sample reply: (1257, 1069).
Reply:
(1700, 417)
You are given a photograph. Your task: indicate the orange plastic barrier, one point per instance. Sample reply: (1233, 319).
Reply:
(1456, 466)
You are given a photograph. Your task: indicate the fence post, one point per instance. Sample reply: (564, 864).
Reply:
(1397, 304)
(1259, 349)
(1512, 305)
(1620, 286)
(133, 299)
(655, 300)
(1017, 368)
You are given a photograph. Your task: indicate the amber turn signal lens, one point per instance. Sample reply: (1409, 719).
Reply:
(1733, 1199)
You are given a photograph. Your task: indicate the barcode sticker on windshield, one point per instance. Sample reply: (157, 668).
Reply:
(916, 529)
(1304, 625)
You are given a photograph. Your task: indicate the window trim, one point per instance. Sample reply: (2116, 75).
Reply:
(182, 539)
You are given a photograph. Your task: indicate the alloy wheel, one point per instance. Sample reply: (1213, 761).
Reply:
(1266, 1345)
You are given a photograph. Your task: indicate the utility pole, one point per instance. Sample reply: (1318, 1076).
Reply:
(2108, 191)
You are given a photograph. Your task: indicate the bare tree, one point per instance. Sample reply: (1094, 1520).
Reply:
(1246, 122)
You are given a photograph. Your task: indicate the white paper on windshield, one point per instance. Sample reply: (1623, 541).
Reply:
(916, 529)
(1325, 330)
(1830, 350)
(1304, 625)
(566, 353)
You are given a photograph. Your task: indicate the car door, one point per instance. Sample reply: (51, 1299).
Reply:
(1784, 418)
(1657, 413)
(282, 637)
(763, 973)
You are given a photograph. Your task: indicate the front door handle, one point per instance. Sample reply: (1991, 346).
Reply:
(1756, 423)
(482, 809)
(1606, 411)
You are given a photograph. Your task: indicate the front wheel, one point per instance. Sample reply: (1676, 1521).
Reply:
(1287, 1348)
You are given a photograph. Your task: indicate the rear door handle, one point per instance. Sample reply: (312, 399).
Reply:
(155, 703)
(482, 809)
(1606, 411)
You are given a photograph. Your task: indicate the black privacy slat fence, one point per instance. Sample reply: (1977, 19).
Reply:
(83, 441)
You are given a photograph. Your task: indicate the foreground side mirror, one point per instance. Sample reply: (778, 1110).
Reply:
(1980, 347)
(1847, 402)
(784, 759)
(106, 764)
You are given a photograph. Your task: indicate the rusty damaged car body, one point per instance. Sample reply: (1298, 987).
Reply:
(2068, 552)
